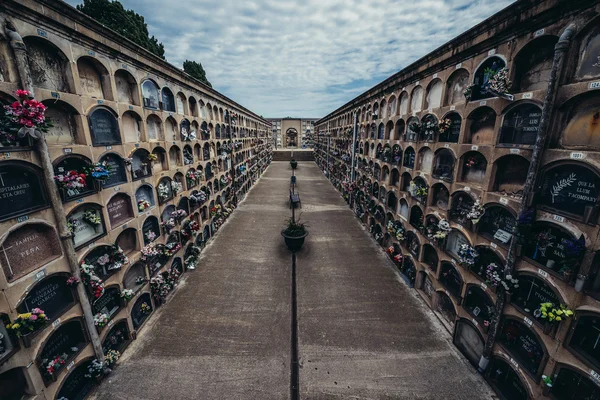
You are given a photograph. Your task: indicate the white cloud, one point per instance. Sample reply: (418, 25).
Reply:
(304, 58)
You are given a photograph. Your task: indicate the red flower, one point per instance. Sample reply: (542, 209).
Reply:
(22, 93)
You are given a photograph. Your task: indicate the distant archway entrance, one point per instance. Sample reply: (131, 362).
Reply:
(291, 136)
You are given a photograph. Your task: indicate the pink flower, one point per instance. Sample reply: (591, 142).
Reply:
(37, 311)
(22, 93)
(33, 317)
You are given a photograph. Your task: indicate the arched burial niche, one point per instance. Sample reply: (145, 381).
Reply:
(141, 310)
(533, 64)
(584, 339)
(582, 123)
(434, 94)
(468, 340)
(481, 80)
(523, 345)
(48, 65)
(94, 79)
(556, 249)
(119, 209)
(168, 100)
(150, 94)
(571, 189)
(505, 380)
(474, 166)
(443, 165)
(27, 248)
(571, 384)
(66, 123)
(132, 127)
(144, 198)
(533, 291)
(445, 307)
(109, 303)
(118, 170)
(127, 90)
(480, 126)
(141, 166)
(455, 87)
(104, 127)
(450, 129)
(68, 166)
(587, 67)
(14, 384)
(154, 128)
(479, 305)
(76, 385)
(87, 224)
(66, 342)
(150, 229)
(510, 174)
(135, 277)
(497, 223)
(118, 338)
(127, 241)
(51, 294)
(22, 189)
(520, 125)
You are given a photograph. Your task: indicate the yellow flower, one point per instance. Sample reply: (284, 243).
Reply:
(24, 316)
(559, 312)
(15, 326)
(558, 318)
(43, 316)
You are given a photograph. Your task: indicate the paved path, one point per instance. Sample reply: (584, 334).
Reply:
(363, 334)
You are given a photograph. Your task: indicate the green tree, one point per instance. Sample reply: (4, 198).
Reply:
(195, 69)
(128, 23)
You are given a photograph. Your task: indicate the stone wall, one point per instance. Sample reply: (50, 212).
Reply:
(427, 153)
(177, 149)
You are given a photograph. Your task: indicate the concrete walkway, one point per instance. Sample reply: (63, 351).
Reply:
(225, 334)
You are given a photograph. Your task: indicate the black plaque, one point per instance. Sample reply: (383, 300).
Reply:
(117, 337)
(570, 188)
(118, 171)
(131, 276)
(150, 225)
(104, 128)
(497, 218)
(64, 340)
(21, 189)
(51, 295)
(177, 265)
(531, 293)
(521, 125)
(77, 385)
(168, 100)
(74, 163)
(144, 192)
(137, 315)
(109, 303)
(522, 344)
(453, 132)
(184, 130)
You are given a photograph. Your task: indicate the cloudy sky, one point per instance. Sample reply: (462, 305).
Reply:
(304, 58)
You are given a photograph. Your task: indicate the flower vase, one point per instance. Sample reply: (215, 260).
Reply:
(548, 328)
(475, 221)
(550, 264)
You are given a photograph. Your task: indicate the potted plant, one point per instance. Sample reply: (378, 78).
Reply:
(294, 163)
(294, 234)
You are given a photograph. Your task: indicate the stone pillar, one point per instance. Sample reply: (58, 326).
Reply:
(41, 146)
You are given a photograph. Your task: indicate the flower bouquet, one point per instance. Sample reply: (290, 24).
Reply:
(99, 171)
(72, 281)
(111, 357)
(150, 236)
(476, 212)
(90, 279)
(151, 157)
(71, 180)
(92, 217)
(176, 187)
(95, 369)
(23, 117)
(146, 309)
(143, 205)
(127, 294)
(467, 255)
(163, 192)
(178, 215)
(554, 313)
(28, 322)
(149, 251)
(471, 162)
(55, 364)
(71, 225)
(444, 125)
(100, 320)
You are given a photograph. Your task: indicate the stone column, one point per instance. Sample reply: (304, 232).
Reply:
(20, 52)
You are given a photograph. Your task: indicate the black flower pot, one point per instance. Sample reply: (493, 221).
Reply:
(294, 243)
(294, 164)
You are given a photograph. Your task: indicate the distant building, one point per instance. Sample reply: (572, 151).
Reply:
(293, 132)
